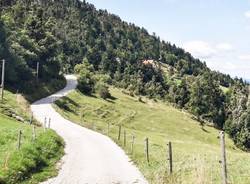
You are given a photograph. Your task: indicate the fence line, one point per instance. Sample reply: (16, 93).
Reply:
(169, 153)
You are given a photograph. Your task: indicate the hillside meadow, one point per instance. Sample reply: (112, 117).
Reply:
(196, 149)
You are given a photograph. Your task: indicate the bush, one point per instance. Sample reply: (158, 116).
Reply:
(103, 78)
(103, 91)
(86, 85)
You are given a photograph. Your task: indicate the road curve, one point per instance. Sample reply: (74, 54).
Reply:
(90, 157)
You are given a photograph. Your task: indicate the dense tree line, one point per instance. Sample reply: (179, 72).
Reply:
(26, 38)
(238, 115)
(70, 35)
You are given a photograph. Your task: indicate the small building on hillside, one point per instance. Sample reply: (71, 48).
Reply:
(150, 62)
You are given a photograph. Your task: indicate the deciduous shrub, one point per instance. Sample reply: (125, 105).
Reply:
(103, 91)
(86, 85)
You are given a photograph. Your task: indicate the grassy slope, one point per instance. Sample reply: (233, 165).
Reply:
(37, 158)
(196, 150)
(48, 144)
(224, 89)
(15, 104)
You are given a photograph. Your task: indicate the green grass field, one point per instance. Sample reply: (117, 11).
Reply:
(15, 104)
(36, 160)
(196, 149)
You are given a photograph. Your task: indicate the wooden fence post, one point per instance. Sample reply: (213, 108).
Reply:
(2, 82)
(31, 118)
(108, 128)
(147, 150)
(37, 70)
(34, 133)
(19, 139)
(81, 114)
(49, 123)
(45, 123)
(132, 144)
(124, 138)
(17, 95)
(170, 157)
(223, 155)
(119, 132)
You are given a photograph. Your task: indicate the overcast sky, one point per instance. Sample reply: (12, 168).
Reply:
(215, 31)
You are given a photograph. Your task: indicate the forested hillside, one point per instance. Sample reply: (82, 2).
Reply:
(70, 35)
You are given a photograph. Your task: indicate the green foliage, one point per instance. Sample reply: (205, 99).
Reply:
(27, 38)
(86, 84)
(35, 161)
(179, 93)
(103, 90)
(32, 158)
(103, 78)
(86, 81)
(240, 132)
(238, 121)
(35, 91)
(207, 100)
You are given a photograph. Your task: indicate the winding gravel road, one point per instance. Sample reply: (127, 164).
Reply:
(90, 158)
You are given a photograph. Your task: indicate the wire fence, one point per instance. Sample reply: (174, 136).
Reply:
(163, 164)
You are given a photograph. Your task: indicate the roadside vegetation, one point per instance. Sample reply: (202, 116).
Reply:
(43, 89)
(36, 160)
(196, 148)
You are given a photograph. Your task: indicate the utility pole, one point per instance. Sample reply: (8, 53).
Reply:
(2, 83)
(37, 70)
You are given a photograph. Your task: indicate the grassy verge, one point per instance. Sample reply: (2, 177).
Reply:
(196, 149)
(15, 105)
(35, 161)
